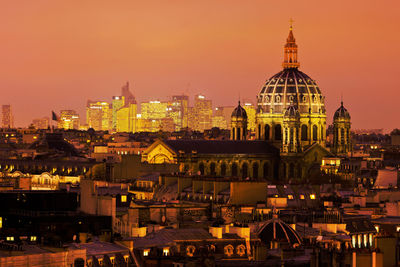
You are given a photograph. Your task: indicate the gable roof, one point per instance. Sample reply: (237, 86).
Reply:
(222, 147)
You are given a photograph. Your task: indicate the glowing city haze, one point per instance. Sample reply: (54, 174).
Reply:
(58, 54)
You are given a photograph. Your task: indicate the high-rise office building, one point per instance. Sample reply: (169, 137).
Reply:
(148, 125)
(99, 115)
(154, 110)
(117, 103)
(127, 94)
(69, 120)
(41, 123)
(178, 111)
(222, 117)
(251, 116)
(201, 114)
(8, 119)
(126, 119)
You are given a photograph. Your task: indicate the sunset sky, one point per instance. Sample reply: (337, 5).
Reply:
(57, 54)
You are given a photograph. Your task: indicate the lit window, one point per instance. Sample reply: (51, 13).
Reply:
(353, 241)
(10, 238)
(146, 252)
(398, 229)
(290, 196)
(312, 196)
(1, 222)
(377, 228)
(33, 238)
(123, 198)
(301, 196)
(275, 195)
(370, 240)
(365, 240)
(166, 251)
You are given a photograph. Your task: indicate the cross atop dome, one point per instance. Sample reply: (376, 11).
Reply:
(290, 50)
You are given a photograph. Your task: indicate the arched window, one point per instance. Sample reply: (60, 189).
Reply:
(259, 131)
(245, 170)
(278, 132)
(304, 132)
(255, 170)
(348, 135)
(291, 170)
(223, 169)
(234, 170)
(212, 169)
(266, 132)
(266, 170)
(201, 168)
(299, 172)
(284, 166)
(238, 132)
(315, 133)
(233, 133)
(79, 262)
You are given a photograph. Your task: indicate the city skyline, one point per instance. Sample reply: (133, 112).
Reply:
(179, 53)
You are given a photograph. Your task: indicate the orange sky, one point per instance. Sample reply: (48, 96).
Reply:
(57, 54)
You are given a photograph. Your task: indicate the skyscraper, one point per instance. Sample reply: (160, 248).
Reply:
(201, 114)
(41, 123)
(126, 119)
(69, 120)
(99, 115)
(222, 117)
(127, 94)
(117, 103)
(8, 119)
(153, 110)
(178, 111)
(251, 116)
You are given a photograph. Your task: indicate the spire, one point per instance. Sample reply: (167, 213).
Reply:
(290, 50)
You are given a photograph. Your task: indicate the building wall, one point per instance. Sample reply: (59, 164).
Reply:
(248, 192)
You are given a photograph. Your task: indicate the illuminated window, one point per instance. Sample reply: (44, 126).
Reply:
(398, 229)
(10, 238)
(365, 240)
(166, 251)
(301, 196)
(290, 196)
(377, 228)
(312, 196)
(1, 222)
(275, 195)
(123, 198)
(370, 240)
(146, 252)
(353, 241)
(33, 238)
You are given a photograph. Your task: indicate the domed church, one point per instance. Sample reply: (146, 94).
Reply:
(290, 133)
(290, 106)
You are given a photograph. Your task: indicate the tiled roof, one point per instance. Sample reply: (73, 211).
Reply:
(166, 237)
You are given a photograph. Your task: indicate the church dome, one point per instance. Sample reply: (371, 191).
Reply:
(290, 86)
(341, 113)
(239, 112)
(277, 230)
